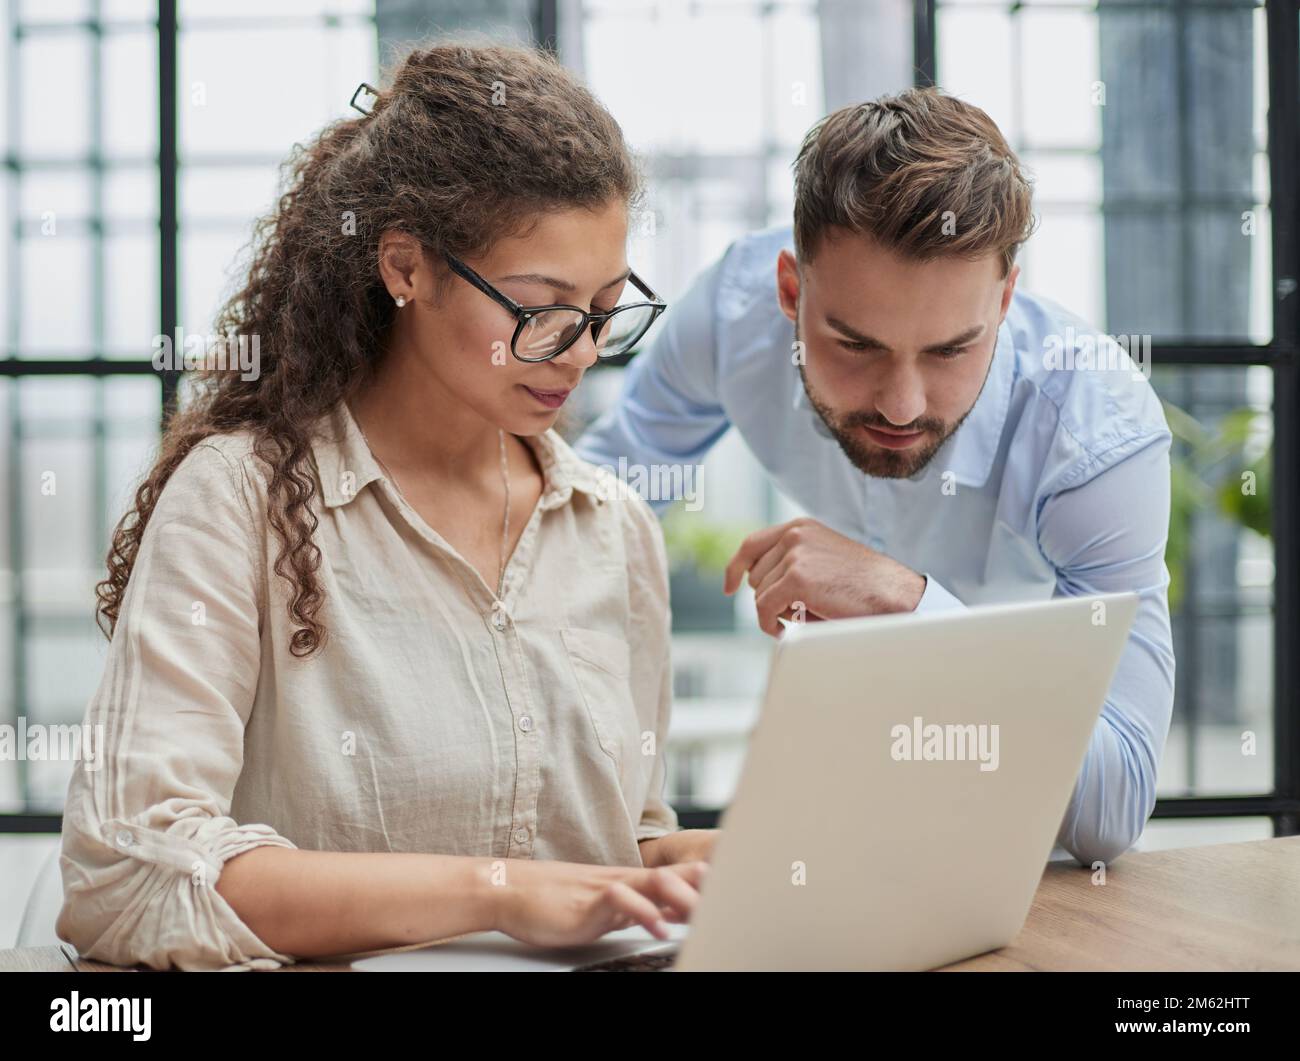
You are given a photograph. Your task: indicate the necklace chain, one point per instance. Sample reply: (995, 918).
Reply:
(505, 523)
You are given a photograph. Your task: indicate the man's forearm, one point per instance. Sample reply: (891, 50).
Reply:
(314, 903)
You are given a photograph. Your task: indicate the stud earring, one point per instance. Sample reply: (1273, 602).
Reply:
(401, 301)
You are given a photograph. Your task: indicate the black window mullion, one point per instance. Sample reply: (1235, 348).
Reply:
(168, 242)
(924, 65)
(14, 493)
(98, 278)
(1283, 21)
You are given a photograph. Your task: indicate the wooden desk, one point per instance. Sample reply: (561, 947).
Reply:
(1222, 907)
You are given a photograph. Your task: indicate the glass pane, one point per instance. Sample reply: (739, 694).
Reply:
(8, 294)
(1166, 104)
(56, 489)
(717, 109)
(131, 192)
(131, 312)
(1221, 565)
(48, 199)
(133, 404)
(53, 10)
(230, 194)
(796, 76)
(1190, 832)
(87, 281)
(54, 94)
(1064, 255)
(128, 10)
(233, 143)
(1057, 80)
(57, 295)
(974, 57)
(82, 446)
(223, 112)
(130, 93)
(8, 581)
(62, 670)
(256, 9)
(209, 266)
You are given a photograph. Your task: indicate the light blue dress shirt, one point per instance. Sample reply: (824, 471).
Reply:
(1057, 484)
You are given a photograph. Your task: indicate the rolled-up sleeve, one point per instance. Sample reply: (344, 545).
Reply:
(146, 827)
(1107, 536)
(650, 629)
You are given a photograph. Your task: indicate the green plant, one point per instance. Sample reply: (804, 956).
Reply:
(694, 543)
(1227, 467)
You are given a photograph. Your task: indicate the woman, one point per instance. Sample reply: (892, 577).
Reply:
(388, 663)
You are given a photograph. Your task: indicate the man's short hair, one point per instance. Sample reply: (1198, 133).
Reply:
(922, 172)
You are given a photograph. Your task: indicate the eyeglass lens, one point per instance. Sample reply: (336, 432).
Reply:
(547, 331)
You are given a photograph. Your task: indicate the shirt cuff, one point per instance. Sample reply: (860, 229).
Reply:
(936, 598)
(650, 828)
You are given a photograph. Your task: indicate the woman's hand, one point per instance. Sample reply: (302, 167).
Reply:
(685, 845)
(557, 904)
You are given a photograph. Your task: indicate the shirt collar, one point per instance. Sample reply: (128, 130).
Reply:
(346, 466)
(344, 462)
(970, 451)
(563, 471)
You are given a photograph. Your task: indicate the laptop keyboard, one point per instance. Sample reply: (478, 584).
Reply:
(632, 963)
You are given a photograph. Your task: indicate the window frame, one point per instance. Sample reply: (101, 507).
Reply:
(1281, 354)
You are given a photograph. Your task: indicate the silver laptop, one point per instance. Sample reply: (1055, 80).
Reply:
(900, 797)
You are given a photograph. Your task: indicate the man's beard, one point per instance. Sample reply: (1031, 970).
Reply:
(878, 461)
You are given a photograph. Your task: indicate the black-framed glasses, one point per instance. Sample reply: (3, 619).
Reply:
(544, 332)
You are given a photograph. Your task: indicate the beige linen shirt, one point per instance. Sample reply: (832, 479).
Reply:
(436, 718)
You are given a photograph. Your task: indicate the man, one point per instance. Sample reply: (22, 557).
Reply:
(955, 441)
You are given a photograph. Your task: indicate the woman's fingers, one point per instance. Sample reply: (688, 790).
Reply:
(652, 897)
(623, 899)
(672, 890)
(693, 873)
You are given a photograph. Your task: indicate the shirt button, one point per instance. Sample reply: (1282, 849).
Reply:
(521, 836)
(125, 839)
(499, 619)
(526, 723)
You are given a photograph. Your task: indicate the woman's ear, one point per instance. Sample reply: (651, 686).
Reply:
(402, 266)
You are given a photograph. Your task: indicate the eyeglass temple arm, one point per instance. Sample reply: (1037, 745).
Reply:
(645, 288)
(499, 297)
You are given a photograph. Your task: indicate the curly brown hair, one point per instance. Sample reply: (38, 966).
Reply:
(469, 144)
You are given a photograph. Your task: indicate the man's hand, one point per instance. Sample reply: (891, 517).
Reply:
(685, 845)
(804, 562)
